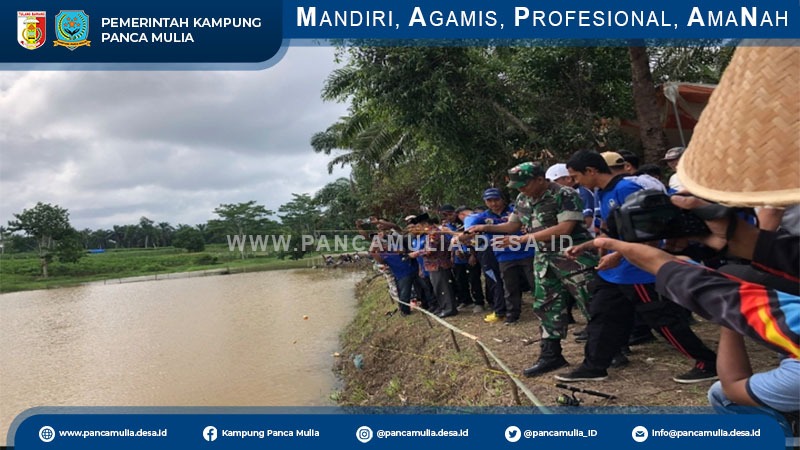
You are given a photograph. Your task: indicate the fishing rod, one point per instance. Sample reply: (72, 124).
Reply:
(572, 400)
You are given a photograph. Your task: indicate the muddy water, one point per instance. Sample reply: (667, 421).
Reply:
(259, 339)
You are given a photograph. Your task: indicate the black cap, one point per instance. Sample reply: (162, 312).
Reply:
(421, 218)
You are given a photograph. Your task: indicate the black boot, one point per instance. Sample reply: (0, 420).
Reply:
(550, 359)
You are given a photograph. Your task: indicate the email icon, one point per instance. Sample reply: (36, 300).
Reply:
(639, 434)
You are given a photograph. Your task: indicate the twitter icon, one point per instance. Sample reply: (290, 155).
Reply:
(513, 434)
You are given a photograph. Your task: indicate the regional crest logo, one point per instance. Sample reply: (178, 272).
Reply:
(72, 29)
(30, 29)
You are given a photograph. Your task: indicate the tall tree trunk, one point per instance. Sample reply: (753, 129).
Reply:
(651, 133)
(45, 242)
(43, 263)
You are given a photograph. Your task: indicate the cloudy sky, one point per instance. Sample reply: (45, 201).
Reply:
(112, 147)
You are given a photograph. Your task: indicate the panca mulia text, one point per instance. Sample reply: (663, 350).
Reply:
(165, 23)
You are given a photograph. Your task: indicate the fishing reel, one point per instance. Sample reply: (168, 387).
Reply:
(568, 400)
(572, 400)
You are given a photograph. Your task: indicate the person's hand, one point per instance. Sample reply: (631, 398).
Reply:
(645, 257)
(476, 229)
(575, 251)
(464, 238)
(609, 261)
(719, 227)
(473, 261)
(740, 237)
(506, 241)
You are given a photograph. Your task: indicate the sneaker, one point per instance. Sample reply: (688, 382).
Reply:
(492, 318)
(461, 306)
(477, 309)
(510, 321)
(583, 374)
(696, 375)
(619, 360)
(582, 336)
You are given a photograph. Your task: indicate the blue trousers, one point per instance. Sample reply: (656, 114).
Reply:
(722, 405)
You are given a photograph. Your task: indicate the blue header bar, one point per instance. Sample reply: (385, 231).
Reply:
(542, 19)
(162, 34)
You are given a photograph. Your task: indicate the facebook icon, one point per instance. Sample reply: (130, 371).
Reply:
(210, 434)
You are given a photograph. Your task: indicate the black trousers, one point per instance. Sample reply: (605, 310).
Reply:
(517, 278)
(495, 290)
(612, 310)
(468, 286)
(424, 291)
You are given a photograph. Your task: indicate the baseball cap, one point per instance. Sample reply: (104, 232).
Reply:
(556, 171)
(447, 208)
(410, 218)
(613, 159)
(519, 175)
(492, 193)
(674, 153)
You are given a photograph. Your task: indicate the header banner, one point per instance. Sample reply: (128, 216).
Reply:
(157, 34)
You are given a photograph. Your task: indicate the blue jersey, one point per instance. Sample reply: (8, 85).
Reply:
(611, 198)
(401, 266)
(588, 201)
(502, 254)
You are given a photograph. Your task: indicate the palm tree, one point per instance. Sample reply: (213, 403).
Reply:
(165, 231)
(365, 139)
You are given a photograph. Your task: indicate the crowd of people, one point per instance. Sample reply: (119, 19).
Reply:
(557, 239)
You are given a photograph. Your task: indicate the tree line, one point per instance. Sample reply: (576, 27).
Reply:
(46, 229)
(433, 125)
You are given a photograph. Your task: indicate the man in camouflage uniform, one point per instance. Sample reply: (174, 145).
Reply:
(553, 219)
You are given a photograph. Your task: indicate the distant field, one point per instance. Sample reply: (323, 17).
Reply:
(19, 272)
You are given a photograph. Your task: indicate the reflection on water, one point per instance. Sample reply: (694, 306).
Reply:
(237, 340)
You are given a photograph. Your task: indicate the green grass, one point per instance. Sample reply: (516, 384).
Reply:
(21, 272)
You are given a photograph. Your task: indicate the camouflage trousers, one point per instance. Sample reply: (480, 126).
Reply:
(558, 277)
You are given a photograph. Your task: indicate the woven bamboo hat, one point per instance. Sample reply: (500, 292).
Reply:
(746, 147)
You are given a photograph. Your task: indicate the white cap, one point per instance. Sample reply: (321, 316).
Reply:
(556, 171)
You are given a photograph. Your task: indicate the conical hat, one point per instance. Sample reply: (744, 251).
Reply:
(745, 150)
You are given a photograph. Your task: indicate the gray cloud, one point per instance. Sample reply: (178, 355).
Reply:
(114, 146)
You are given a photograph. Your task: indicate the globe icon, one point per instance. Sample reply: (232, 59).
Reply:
(47, 434)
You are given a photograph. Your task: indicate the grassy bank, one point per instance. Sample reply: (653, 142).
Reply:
(23, 272)
(406, 361)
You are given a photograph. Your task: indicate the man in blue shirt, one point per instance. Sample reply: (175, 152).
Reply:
(516, 264)
(622, 289)
(466, 269)
(495, 291)
(404, 274)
